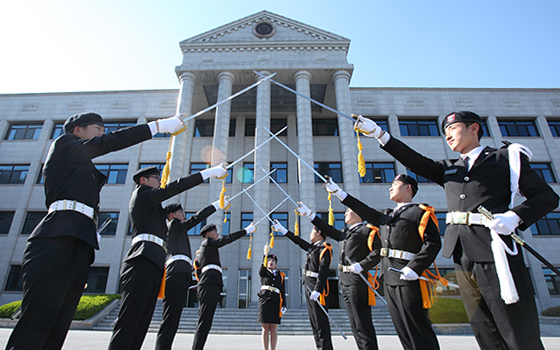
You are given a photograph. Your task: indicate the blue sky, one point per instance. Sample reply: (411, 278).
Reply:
(69, 45)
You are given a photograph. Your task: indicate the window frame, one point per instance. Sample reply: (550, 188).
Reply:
(321, 170)
(35, 127)
(122, 173)
(431, 124)
(13, 171)
(517, 124)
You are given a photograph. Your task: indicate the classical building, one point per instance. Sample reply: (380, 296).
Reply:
(221, 62)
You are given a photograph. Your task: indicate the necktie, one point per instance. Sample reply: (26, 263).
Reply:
(466, 161)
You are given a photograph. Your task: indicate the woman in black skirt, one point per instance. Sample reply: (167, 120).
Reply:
(272, 301)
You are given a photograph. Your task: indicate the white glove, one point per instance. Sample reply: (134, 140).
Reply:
(216, 204)
(356, 268)
(278, 227)
(368, 127)
(305, 211)
(331, 186)
(283, 310)
(314, 295)
(408, 274)
(505, 223)
(251, 228)
(217, 171)
(168, 125)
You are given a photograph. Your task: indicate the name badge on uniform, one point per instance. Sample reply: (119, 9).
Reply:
(450, 171)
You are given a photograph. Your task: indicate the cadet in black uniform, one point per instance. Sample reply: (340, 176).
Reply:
(143, 265)
(482, 179)
(60, 250)
(315, 274)
(209, 276)
(178, 268)
(355, 292)
(410, 242)
(272, 300)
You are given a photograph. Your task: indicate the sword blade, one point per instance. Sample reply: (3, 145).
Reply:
(329, 316)
(248, 188)
(256, 148)
(277, 185)
(272, 211)
(368, 284)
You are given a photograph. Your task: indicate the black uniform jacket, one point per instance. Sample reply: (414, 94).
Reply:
(70, 174)
(486, 184)
(401, 232)
(314, 262)
(148, 216)
(208, 254)
(354, 245)
(178, 241)
(268, 278)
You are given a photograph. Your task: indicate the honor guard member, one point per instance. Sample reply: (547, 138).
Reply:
(355, 244)
(272, 299)
(315, 274)
(410, 242)
(60, 250)
(143, 266)
(178, 268)
(208, 272)
(481, 177)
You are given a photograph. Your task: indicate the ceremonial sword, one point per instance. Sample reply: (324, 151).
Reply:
(367, 282)
(488, 214)
(453, 285)
(277, 185)
(326, 313)
(248, 188)
(276, 207)
(256, 148)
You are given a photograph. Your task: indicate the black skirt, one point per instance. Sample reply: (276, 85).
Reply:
(269, 308)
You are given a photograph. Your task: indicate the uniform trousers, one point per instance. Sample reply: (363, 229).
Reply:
(55, 272)
(208, 296)
(141, 280)
(496, 325)
(176, 287)
(411, 320)
(359, 314)
(319, 323)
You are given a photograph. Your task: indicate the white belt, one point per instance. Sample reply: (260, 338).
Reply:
(344, 268)
(148, 237)
(271, 288)
(212, 267)
(465, 218)
(395, 253)
(67, 204)
(307, 273)
(178, 257)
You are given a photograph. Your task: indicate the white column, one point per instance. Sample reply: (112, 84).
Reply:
(348, 149)
(261, 190)
(220, 140)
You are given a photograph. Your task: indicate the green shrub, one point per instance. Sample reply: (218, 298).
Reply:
(6, 311)
(448, 310)
(552, 311)
(89, 305)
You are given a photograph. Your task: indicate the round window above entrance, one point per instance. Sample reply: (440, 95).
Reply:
(264, 29)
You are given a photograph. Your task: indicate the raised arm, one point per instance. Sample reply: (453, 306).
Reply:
(303, 244)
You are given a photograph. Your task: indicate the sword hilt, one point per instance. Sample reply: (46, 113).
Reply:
(488, 214)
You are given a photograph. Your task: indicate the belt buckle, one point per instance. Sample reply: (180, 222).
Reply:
(461, 218)
(384, 252)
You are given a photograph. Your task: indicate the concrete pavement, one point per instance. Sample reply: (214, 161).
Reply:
(98, 340)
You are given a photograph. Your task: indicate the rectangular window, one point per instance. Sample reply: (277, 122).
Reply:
(552, 281)
(246, 219)
(325, 127)
(549, 225)
(6, 218)
(418, 178)
(441, 223)
(517, 127)
(248, 175)
(195, 231)
(24, 132)
(204, 128)
(58, 129)
(13, 174)
(244, 294)
(420, 127)
(116, 173)
(225, 225)
(232, 124)
(40, 179)
(378, 173)
(14, 282)
(339, 223)
(545, 171)
(276, 124)
(114, 126)
(485, 132)
(554, 126)
(198, 167)
(111, 229)
(333, 170)
(281, 173)
(32, 218)
(160, 166)
(282, 218)
(250, 126)
(97, 279)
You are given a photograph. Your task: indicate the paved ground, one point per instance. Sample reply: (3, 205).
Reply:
(95, 340)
